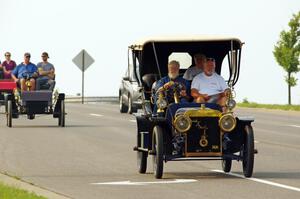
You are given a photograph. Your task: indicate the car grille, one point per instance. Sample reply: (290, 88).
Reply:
(204, 136)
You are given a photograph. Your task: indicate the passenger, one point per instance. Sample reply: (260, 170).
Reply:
(191, 72)
(46, 72)
(26, 71)
(173, 75)
(209, 87)
(8, 66)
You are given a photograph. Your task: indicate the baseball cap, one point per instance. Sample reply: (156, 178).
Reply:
(45, 54)
(27, 55)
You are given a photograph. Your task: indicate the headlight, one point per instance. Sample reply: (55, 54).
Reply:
(227, 122)
(161, 103)
(231, 104)
(182, 123)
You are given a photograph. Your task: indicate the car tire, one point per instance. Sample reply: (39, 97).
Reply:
(123, 107)
(142, 161)
(62, 116)
(9, 113)
(226, 165)
(157, 149)
(248, 152)
(131, 107)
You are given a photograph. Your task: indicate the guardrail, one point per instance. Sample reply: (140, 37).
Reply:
(77, 99)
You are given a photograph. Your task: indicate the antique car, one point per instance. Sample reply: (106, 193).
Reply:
(31, 103)
(187, 131)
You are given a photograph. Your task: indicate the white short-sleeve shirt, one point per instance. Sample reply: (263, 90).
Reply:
(209, 85)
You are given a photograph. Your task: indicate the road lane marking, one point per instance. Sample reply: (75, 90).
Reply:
(132, 121)
(294, 126)
(256, 142)
(97, 115)
(128, 182)
(261, 181)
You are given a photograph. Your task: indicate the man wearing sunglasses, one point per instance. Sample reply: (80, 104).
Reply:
(209, 87)
(26, 71)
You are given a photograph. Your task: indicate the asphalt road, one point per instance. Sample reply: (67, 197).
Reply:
(96, 147)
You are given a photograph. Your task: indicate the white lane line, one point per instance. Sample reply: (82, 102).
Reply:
(97, 115)
(294, 126)
(256, 142)
(132, 121)
(176, 181)
(261, 181)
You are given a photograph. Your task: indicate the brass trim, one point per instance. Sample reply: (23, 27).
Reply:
(203, 112)
(187, 118)
(234, 121)
(203, 154)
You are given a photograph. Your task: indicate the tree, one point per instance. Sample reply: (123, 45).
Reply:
(287, 52)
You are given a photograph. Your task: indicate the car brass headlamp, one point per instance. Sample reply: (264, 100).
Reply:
(227, 122)
(182, 123)
(231, 103)
(161, 103)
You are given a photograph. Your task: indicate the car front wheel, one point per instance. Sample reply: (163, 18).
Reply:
(248, 152)
(157, 148)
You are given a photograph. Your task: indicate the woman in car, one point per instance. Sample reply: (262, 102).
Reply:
(8, 66)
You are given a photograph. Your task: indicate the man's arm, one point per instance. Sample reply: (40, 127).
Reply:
(51, 73)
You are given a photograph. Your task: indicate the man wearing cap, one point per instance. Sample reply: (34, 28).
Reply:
(208, 86)
(191, 72)
(46, 73)
(26, 71)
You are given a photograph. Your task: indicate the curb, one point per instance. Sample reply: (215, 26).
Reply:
(10, 181)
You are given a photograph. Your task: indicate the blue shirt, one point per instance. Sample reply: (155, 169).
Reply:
(22, 68)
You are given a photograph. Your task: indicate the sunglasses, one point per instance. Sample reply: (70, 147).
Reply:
(7, 55)
(27, 56)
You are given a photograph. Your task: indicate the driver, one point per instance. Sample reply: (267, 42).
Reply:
(26, 71)
(173, 76)
(209, 87)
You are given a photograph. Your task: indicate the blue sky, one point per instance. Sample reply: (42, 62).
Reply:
(106, 28)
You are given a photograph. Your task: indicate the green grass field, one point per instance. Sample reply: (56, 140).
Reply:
(270, 106)
(8, 192)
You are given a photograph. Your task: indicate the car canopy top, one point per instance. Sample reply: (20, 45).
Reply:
(152, 53)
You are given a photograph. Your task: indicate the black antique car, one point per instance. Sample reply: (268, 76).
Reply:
(31, 103)
(190, 131)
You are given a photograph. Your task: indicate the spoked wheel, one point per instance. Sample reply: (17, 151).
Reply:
(142, 161)
(61, 118)
(157, 147)
(9, 113)
(123, 107)
(248, 152)
(226, 165)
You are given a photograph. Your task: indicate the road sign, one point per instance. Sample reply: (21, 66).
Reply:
(83, 60)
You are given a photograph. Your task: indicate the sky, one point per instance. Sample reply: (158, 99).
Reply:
(106, 28)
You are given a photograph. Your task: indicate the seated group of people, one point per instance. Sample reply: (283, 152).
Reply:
(201, 83)
(41, 76)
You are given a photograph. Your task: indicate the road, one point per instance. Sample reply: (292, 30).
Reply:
(96, 147)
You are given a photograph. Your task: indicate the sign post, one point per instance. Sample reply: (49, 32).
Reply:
(83, 60)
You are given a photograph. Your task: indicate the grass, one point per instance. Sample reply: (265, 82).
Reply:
(269, 106)
(8, 192)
